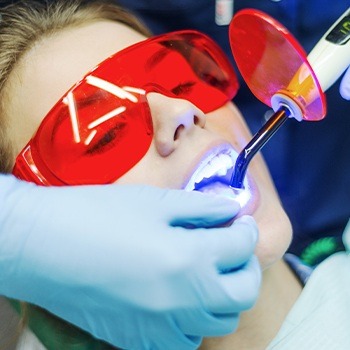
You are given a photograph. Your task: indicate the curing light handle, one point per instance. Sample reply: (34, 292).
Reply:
(329, 59)
(331, 55)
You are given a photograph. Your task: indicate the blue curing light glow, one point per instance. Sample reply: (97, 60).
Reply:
(240, 195)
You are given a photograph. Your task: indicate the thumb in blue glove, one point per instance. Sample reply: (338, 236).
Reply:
(110, 260)
(345, 85)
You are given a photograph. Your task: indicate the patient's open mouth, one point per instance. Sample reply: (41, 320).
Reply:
(213, 175)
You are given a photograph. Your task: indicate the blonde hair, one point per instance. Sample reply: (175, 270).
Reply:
(24, 23)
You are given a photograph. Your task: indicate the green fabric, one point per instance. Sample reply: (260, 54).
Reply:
(56, 334)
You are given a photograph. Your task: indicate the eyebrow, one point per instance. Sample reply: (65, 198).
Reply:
(156, 58)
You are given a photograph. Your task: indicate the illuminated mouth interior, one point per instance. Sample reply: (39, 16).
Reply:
(213, 175)
(216, 168)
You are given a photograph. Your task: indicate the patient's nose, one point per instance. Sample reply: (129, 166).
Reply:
(173, 119)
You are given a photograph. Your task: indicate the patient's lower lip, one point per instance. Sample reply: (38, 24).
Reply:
(242, 196)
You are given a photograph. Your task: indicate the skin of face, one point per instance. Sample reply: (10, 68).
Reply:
(183, 135)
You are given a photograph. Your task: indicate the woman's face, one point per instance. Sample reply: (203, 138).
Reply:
(185, 139)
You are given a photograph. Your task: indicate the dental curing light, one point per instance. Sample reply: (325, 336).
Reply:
(278, 72)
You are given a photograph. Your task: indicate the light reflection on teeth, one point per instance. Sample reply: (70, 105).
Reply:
(218, 165)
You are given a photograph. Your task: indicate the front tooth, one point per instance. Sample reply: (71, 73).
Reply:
(216, 163)
(222, 163)
(218, 166)
(213, 167)
(208, 171)
(227, 161)
(222, 172)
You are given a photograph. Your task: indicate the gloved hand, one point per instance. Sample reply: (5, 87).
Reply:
(345, 85)
(116, 261)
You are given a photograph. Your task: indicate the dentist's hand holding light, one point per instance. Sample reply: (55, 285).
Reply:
(53, 253)
(345, 85)
(331, 56)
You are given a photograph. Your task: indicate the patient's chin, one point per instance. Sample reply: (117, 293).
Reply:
(274, 239)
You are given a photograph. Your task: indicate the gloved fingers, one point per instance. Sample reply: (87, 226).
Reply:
(165, 333)
(230, 246)
(345, 85)
(161, 331)
(139, 330)
(206, 324)
(240, 287)
(196, 209)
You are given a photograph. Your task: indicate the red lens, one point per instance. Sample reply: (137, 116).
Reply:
(110, 138)
(271, 60)
(102, 127)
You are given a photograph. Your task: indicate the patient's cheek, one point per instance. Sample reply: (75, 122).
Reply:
(229, 123)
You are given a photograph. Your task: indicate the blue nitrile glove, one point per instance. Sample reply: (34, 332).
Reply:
(109, 260)
(345, 85)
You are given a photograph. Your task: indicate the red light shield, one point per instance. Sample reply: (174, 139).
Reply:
(271, 60)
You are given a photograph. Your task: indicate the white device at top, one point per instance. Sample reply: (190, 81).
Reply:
(328, 59)
(331, 55)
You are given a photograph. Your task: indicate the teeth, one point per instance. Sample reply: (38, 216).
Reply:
(227, 160)
(222, 172)
(217, 166)
(216, 163)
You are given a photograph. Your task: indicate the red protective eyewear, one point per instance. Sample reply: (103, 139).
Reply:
(102, 126)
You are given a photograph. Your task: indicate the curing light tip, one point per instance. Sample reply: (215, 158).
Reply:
(255, 145)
